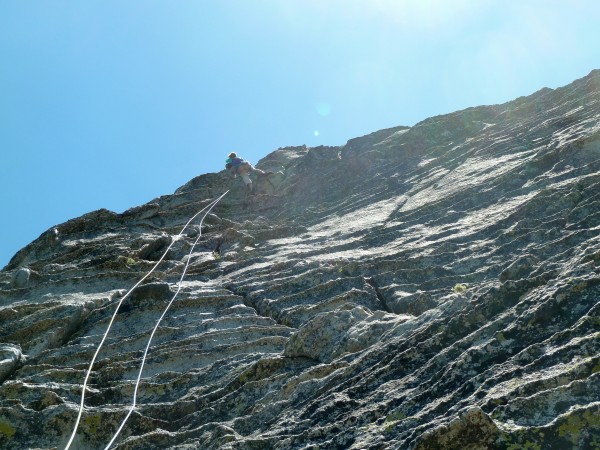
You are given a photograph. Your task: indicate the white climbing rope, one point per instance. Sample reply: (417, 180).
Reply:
(207, 208)
(137, 383)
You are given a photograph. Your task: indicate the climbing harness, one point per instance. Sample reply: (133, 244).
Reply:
(208, 209)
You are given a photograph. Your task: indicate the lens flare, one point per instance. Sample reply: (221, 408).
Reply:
(324, 109)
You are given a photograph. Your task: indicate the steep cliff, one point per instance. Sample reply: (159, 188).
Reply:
(431, 287)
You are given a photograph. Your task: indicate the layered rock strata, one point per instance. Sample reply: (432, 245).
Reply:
(432, 287)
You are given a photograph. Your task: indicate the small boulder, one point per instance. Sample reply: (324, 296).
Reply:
(11, 358)
(329, 335)
(21, 277)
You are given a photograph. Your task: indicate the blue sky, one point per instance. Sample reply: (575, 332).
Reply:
(111, 103)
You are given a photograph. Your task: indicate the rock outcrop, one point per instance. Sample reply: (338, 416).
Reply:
(432, 287)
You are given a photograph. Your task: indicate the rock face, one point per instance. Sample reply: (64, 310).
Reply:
(433, 287)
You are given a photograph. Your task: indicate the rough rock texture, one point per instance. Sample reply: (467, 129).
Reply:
(433, 287)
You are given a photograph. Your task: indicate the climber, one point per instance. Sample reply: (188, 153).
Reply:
(237, 166)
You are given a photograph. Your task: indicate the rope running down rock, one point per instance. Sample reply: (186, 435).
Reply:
(207, 208)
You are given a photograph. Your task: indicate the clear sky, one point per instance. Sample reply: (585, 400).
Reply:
(111, 103)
